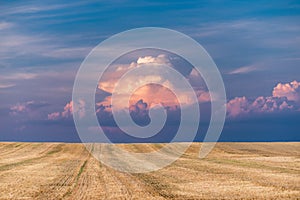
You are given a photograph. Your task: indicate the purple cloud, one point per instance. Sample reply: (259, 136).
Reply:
(30, 108)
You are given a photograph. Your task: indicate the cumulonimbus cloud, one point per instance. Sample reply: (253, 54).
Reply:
(151, 92)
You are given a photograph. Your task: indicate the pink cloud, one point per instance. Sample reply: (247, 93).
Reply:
(139, 106)
(150, 93)
(18, 108)
(237, 106)
(265, 104)
(284, 97)
(203, 96)
(285, 106)
(289, 90)
(25, 107)
(68, 111)
(113, 74)
(54, 116)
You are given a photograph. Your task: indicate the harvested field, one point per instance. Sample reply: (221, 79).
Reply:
(230, 171)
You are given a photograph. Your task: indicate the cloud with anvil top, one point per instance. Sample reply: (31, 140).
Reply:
(150, 93)
(110, 78)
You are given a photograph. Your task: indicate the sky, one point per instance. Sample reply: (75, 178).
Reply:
(255, 45)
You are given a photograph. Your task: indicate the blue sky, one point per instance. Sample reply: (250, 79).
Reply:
(255, 44)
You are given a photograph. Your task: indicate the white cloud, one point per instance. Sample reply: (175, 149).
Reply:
(31, 8)
(244, 70)
(160, 59)
(14, 43)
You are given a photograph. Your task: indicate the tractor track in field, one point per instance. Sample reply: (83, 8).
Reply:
(29, 159)
(61, 186)
(69, 172)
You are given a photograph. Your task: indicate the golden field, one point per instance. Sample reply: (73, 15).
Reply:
(230, 171)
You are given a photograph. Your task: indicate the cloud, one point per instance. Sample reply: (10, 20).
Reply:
(237, 106)
(66, 113)
(203, 96)
(29, 108)
(160, 59)
(244, 70)
(111, 77)
(10, 79)
(31, 8)
(265, 104)
(68, 53)
(4, 86)
(285, 106)
(240, 106)
(68, 110)
(159, 93)
(284, 97)
(16, 46)
(144, 97)
(289, 90)
(54, 116)
(139, 112)
(5, 25)
(19, 76)
(151, 93)
(18, 108)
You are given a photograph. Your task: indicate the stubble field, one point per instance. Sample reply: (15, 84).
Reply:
(230, 171)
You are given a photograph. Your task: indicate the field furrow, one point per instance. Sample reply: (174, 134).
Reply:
(230, 171)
